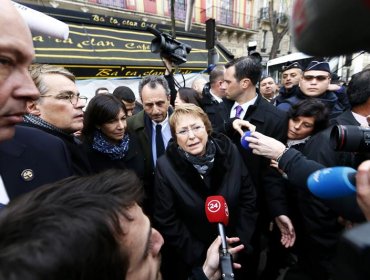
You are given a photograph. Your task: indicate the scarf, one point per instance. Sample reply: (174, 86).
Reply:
(35, 120)
(203, 164)
(113, 151)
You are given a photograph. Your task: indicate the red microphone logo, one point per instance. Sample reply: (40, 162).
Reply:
(217, 210)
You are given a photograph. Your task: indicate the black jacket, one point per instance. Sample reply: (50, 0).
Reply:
(180, 195)
(133, 159)
(32, 158)
(271, 122)
(216, 112)
(80, 163)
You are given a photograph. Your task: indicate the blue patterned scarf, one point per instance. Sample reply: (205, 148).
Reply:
(113, 151)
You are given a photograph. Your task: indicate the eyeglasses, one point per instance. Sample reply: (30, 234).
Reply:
(319, 78)
(185, 132)
(73, 98)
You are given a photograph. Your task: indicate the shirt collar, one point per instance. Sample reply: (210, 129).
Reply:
(361, 119)
(218, 99)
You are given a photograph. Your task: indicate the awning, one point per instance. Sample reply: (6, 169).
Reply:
(93, 51)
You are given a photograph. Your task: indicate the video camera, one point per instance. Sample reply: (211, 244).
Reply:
(168, 47)
(350, 138)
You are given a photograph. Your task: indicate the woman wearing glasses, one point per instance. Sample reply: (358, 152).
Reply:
(198, 164)
(105, 139)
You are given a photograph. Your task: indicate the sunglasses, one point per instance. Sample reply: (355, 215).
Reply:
(319, 78)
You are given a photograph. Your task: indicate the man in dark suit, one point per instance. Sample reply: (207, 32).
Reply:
(30, 159)
(58, 110)
(151, 126)
(243, 102)
(212, 95)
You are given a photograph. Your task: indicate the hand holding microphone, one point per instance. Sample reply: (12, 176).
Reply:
(211, 265)
(217, 212)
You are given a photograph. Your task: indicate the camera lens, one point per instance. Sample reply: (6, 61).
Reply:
(350, 138)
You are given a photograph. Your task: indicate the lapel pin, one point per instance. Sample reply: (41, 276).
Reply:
(27, 175)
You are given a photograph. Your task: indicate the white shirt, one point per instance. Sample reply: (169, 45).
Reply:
(4, 198)
(218, 99)
(361, 119)
(166, 135)
(245, 107)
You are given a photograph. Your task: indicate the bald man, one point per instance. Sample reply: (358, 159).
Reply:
(31, 158)
(16, 54)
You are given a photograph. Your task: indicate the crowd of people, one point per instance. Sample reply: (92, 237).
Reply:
(115, 187)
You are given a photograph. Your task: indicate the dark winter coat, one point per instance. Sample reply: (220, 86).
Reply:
(180, 195)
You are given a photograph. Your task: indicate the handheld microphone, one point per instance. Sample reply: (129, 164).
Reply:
(243, 141)
(41, 23)
(189, 14)
(333, 182)
(317, 31)
(217, 212)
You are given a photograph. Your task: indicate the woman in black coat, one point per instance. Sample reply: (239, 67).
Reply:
(197, 165)
(105, 139)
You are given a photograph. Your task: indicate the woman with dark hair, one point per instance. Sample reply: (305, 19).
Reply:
(106, 141)
(187, 95)
(198, 164)
(301, 218)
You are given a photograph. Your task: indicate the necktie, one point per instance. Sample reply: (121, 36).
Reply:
(238, 110)
(159, 140)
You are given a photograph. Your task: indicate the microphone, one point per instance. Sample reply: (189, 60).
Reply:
(333, 182)
(243, 141)
(317, 31)
(189, 14)
(42, 23)
(217, 212)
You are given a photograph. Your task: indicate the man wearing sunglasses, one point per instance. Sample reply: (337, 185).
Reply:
(314, 83)
(58, 110)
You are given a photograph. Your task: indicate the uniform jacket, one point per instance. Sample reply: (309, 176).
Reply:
(329, 98)
(180, 195)
(32, 158)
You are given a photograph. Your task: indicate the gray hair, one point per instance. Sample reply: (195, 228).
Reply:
(153, 82)
(38, 70)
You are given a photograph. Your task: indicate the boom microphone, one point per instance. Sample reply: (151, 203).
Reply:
(189, 14)
(333, 182)
(217, 212)
(317, 30)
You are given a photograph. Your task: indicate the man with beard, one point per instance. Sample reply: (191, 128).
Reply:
(87, 228)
